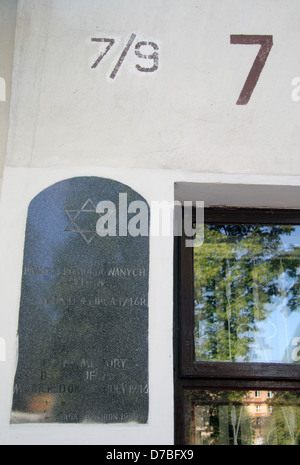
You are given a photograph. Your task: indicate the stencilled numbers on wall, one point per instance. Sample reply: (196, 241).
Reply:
(266, 43)
(146, 52)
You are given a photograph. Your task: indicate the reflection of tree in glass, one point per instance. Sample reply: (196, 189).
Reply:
(231, 418)
(217, 418)
(238, 271)
(284, 425)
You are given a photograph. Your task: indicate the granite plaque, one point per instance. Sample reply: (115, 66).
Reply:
(83, 322)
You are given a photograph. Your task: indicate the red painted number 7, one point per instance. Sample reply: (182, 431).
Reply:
(266, 43)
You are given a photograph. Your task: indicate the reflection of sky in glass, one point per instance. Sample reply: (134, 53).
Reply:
(273, 337)
(282, 326)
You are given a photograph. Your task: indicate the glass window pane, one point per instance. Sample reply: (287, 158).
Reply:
(239, 418)
(247, 294)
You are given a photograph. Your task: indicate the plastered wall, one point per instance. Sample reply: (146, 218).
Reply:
(180, 112)
(145, 92)
(8, 13)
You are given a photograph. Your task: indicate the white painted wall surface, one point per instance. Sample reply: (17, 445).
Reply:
(20, 187)
(184, 115)
(175, 130)
(8, 14)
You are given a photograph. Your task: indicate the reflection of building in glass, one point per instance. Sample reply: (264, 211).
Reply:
(203, 430)
(242, 418)
(257, 403)
(260, 411)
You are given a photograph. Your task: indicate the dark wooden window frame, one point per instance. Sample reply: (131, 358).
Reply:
(192, 368)
(191, 374)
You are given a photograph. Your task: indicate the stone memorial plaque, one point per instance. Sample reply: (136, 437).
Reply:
(83, 322)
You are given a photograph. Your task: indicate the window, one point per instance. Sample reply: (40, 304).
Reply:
(237, 330)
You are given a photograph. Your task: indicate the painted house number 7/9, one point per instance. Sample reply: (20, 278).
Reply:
(266, 43)
(151, 51)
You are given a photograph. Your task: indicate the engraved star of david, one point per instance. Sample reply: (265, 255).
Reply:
(81, 221)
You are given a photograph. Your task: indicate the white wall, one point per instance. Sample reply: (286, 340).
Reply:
(183, 116)
(175, 130)
(20, 186)
(8, 13)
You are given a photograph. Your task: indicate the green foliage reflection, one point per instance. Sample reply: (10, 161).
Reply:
(243, 275)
